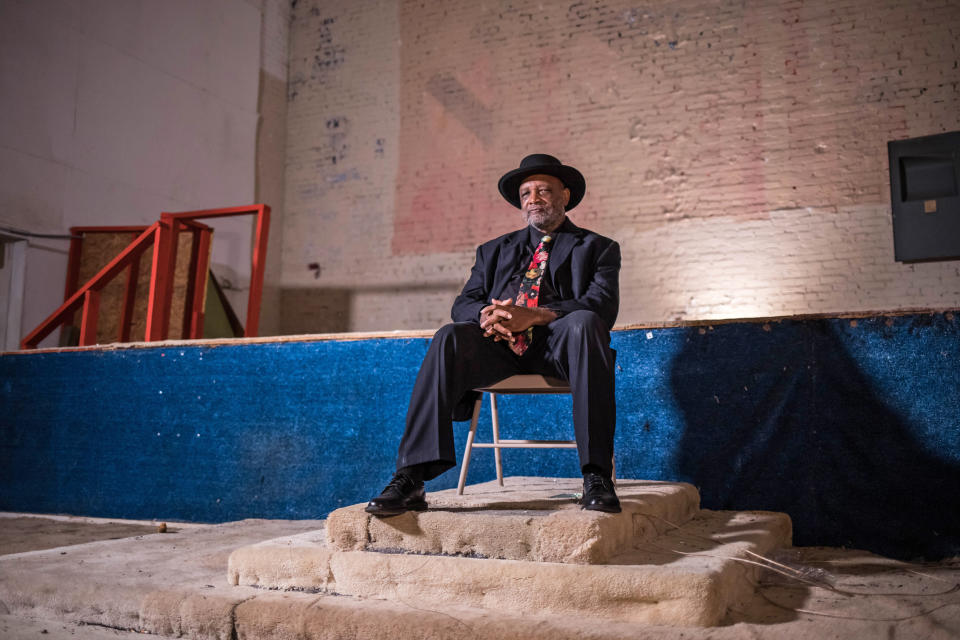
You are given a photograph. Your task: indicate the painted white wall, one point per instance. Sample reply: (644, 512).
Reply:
(12, 273)
(117, 110)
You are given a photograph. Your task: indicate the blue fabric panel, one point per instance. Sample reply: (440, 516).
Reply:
(852, 430)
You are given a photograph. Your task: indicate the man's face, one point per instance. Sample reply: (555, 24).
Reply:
(543, 200)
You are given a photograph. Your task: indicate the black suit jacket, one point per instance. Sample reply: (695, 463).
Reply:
(584, 269)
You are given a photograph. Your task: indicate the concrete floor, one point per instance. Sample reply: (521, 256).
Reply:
(78, 578)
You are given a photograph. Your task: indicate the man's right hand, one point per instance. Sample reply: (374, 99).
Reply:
(490, 318)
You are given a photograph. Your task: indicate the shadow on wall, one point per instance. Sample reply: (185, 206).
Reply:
(785, 417)
(332, 310)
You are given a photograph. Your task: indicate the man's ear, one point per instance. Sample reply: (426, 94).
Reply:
(566, 197)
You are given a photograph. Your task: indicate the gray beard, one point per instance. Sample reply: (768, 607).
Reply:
(545, 220)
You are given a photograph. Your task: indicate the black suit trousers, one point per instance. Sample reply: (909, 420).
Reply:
(575, 348)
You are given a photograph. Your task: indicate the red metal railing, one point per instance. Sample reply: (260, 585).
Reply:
(87, 297)
(158, 307)
(163, 236)
(133, 271)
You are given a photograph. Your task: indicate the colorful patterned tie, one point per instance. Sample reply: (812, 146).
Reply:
(529, 294)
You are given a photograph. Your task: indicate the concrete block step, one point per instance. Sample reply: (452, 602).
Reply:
(536, 519)
(678, 575)
(288, 615)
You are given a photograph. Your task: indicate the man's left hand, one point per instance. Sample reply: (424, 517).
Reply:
(516, 319)
(492, 317)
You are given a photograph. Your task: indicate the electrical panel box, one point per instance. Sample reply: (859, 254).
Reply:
(924, 196)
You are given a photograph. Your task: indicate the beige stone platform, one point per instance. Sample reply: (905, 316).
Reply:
(535, 519)
(87, 585)
(527, 548)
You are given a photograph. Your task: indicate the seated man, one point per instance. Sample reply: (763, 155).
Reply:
(539, 300)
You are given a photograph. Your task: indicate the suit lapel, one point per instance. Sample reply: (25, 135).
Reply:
(566, 241)
(507, 263)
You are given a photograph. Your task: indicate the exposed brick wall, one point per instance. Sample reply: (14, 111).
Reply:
(737, 150)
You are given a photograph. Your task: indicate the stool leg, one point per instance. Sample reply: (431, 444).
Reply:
(466, 452)
(495, 420)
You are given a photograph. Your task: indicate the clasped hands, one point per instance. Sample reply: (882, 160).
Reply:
(503, 319)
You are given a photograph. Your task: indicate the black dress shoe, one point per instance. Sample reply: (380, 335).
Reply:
(401, 495)
(598, 494)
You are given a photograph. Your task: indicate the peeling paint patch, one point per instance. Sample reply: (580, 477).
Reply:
(352, 174)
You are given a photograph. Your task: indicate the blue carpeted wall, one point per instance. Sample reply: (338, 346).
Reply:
(851, 427)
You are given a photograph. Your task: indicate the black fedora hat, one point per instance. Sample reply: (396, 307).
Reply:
(541, 163)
